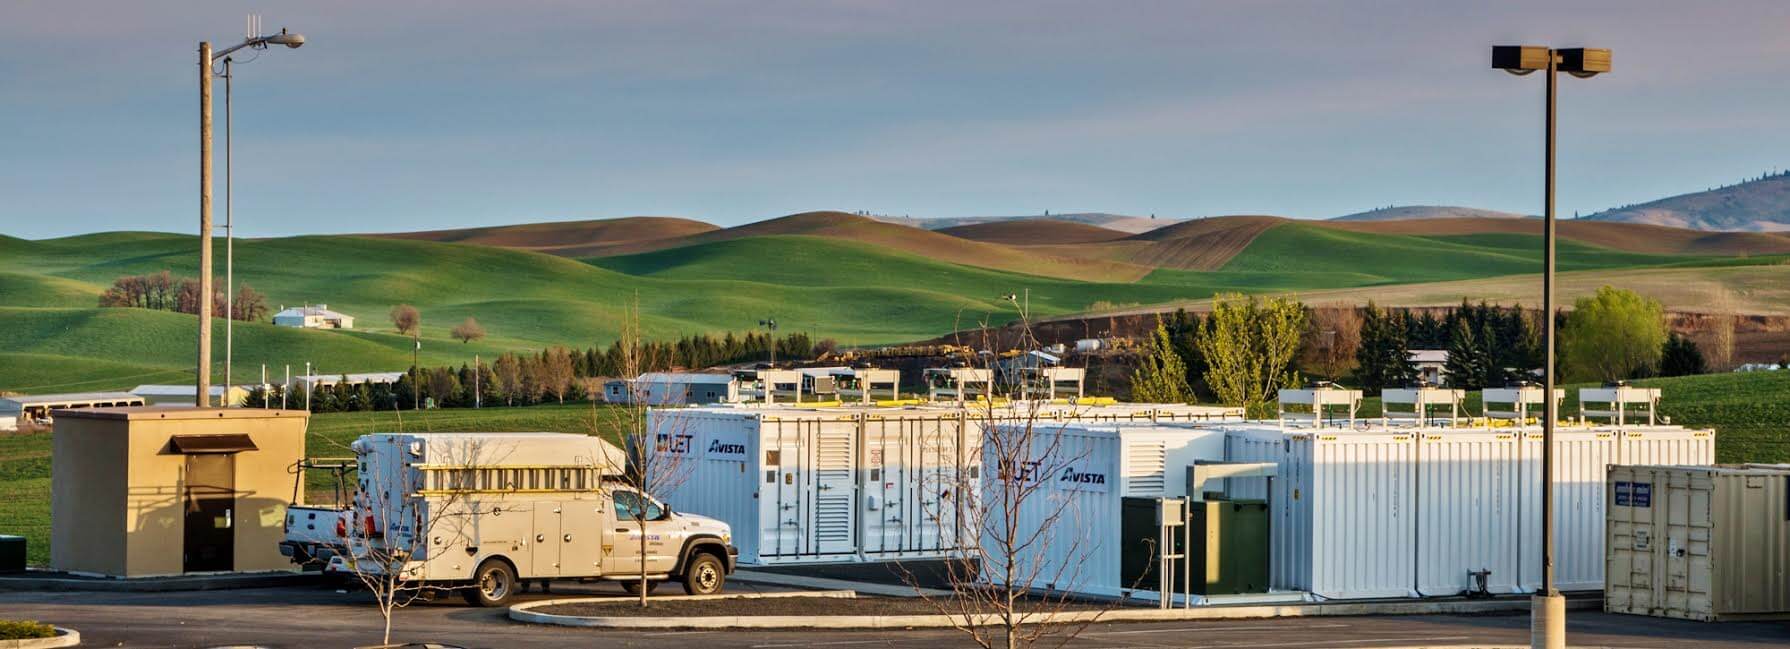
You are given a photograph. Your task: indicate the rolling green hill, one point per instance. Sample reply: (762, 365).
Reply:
(53, 338)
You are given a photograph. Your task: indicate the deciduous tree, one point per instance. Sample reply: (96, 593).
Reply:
(469, 330)
(406, 319)
(1612, 335)
(1161, 376)
(1249, 346)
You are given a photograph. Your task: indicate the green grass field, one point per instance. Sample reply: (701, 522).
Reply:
(53, 338)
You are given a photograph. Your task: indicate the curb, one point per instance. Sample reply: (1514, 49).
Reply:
(525, 613)
(64, 637)
(829, 583)
(157, 584)
(522, 613)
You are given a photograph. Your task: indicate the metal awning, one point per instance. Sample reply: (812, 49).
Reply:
(226, 443)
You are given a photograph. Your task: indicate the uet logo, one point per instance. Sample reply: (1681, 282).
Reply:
(668, 443)
(1078, 477)
(727, 448)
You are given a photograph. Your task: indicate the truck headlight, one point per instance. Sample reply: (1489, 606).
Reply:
(727, 537)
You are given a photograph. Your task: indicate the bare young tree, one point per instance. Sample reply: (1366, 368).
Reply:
(557, 373)
(1718, 330)
(406, 319)
(389, 527)
(1008, 583)
(1332, 335)
(657, 447)
(468, 331)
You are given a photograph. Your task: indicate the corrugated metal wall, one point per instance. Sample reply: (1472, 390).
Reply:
(1580, 459)
(1467, 503)
(1353, 513)
(1699, 543)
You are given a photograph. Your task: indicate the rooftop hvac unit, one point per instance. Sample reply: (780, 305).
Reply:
(1319, 406)
(1618, 404)
(1421, 406)
(1519, 404)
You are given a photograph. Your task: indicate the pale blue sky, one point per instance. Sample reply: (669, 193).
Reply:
(415, 115)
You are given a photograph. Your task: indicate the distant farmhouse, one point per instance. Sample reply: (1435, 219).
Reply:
(313, 316)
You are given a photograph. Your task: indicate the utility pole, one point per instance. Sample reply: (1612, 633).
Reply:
(202, 392)
(416, 380)
(475, 382)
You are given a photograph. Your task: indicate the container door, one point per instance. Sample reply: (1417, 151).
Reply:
(546, 540)
(782, 523)
(883, 498)
(834, 514)
(936, 485)
(210, 536)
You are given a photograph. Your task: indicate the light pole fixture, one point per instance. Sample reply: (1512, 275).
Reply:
(771, 324)
(202, 394)
(1547, 621)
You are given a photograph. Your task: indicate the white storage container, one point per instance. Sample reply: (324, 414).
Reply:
(1581, 455)
(916, 470)
(1666, 445)
(1701, 543)
(1467, 499)
(795, 483)
(1347, 529)
(1093, 468)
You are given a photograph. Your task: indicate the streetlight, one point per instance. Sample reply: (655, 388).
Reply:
(771, 324)
(206, 58)
(1547, 621)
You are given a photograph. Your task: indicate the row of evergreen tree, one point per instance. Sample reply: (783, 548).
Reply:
(552, 375)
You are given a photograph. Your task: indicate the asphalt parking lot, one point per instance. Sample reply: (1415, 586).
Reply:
(324, 617)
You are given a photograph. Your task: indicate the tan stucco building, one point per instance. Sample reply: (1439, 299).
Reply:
(148, 491)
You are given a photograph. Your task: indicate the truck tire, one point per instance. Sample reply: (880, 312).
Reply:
(633, 586)
(705, 575)
(492, 584)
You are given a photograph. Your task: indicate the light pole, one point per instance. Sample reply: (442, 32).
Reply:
(201, 395)
(771, 324)
(1547, 618)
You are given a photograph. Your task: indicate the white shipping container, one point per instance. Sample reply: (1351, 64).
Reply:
(1701, 543)
(916, 470)
(1467, 495)
(1347, 529)
(1086, 478)
(1666, 445)
(804, 485)
(1581, 456)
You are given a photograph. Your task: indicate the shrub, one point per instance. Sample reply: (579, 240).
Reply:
(25, 630)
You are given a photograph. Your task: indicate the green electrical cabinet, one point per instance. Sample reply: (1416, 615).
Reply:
(1230, 546)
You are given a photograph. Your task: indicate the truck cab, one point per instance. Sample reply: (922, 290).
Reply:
(485, 513)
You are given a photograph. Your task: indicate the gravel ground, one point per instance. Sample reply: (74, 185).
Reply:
(801, 606)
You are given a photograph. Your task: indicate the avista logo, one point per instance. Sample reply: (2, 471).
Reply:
(718, 446)
(1077, 477)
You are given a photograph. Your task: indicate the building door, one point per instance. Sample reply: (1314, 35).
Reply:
(210, 543)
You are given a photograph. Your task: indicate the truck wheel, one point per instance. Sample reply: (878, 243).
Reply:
(705, 575)
(492, 585)
(633, 586)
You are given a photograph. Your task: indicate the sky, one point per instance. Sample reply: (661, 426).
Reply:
(410, 114)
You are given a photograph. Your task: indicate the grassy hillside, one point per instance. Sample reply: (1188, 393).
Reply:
(813, 279)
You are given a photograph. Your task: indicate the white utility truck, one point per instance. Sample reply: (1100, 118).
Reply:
(485, 513)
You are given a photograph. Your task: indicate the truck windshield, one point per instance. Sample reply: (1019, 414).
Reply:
(628, 506)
